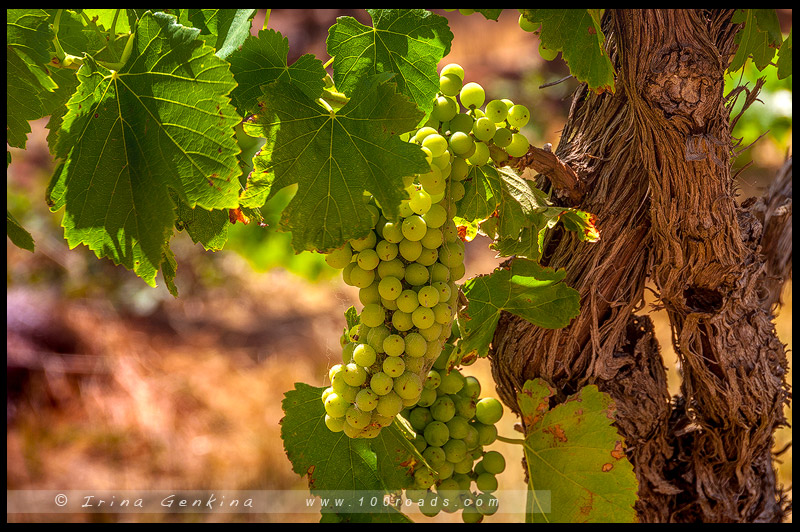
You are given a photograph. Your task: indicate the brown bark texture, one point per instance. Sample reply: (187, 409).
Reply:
(653, 161)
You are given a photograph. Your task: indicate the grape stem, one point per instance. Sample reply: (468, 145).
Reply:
(515, 441)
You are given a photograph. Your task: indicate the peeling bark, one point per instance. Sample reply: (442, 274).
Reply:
(653, 160)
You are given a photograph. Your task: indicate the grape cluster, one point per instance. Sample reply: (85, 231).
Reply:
(452, 427)
(406, 272)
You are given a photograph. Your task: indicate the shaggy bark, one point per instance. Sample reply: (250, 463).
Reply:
(653, 160)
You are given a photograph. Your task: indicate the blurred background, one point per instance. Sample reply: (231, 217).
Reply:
(112, 384)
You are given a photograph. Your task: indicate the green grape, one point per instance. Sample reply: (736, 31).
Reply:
(419, 418)
(502, 137)
(381, 383)
(428, 296)
(391, 268)
(366, 242)
(472, 387)
(518, 116)
(423, 317)
(443, 410)
(339, 258)
(434, 218)
(433, 454)
(361, 278)
(419, 443)
(410, 249)
(486, 482)
(487, 434)
(452, 382)
(393, 366)
(433, 182)
(496, 111)
(442, 288)
(460, 169)
(347, 352)
(494, 463)
(470, 514)
(390, 404)
(519, 145)
(444, 109)
(527, 25)
(424, 478)
(433, 238)
(460, 144)
(431, 333)
(354, 375)
(446, 469)
(436, 434)
(461, 123)
(336, 405)
(439, 273)
(432, 380)
(457, 191)
(436, 143)
(375, 338)
(334, 424)
(389, 288)
(366, 400)
(402, 321)
(420, 202)
(347, 271)
(456, 273)
(454, 450)
(373, 315)
(481, 155)
(394, 345)
(408, 301)
(450, 84)
(454, 69)
(489, 410)
(414, 228)
(546, 53)
(472, 438)
(415, 364)
(423, 132)
(428, 257)
(427, 397)
(484, 129)
(392, 232)
(405, 209)
(415, 344)
(408, 385)
(451, 254)
(442, 313)
(472, 95)
(458, 426)
(370, 294)
(364, 355)
(464, 467)
(386, 250)
(416, 274)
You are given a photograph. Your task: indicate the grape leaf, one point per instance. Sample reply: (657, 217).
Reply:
(162, 123)
(579, 37)
(482, 193)
(18, 235)
(526, 290)
(334, 462)
(490, 14)
(574, 452)
(408, 42)
(264, 59)
(784, 62)
(333, 157)
(759, 37)
(223, 29)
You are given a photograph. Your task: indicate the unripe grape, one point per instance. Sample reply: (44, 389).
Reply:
(458, 427)
(390, 288)
(444, 109)
(336, 405)
(460, 144)
(484, 129)
(443, 410)
(472, 95)
(518, 116)
(408, 385)
(452, 382)
(419, 418)
(381, 383)
(496, 111)
(408, 301)
(339, 258)
(416, 274)
(424, 478)
(392, 232)
(364, 355)
(386, 250)
(481, 155)
(390, 404)
(527, 25)
(502, 137)
(546, 53)
(391, 268)
(419, 201)
(487, 434)
(428, 296)
(402, 321)
(423, 317)
(394, 345)
(461, 123)
(361, 278)
(428, 257)
(424, 132)
(486, 482)
(460, 169)
(413, 228)
(434, 455)
(410, 249)
(393, 366)
(366, 242)
(373, 315)
(436, 143)
(493, 462)
(436, 434)
(354, 375)
(370, 294)
(366, 400)
(489, 410)
(518, 147)
(454, 450)
(415, 345)
(455, 69)
(450, 84)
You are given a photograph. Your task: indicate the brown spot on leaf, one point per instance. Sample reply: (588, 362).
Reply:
(607, 467)
(557, 432)
(618, 451)
(592, 31)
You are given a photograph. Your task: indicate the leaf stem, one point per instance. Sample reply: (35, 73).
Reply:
(266, 19)
(326, 65)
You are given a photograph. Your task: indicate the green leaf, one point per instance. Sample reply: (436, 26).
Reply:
(332, 461)
(227, 28)
(163, 123)
(482, 193)
(784, 62)
(579, 37)
(758, 38)
(206, 227)
(333, 157)
(263, 60)
(17, 234)
(489, 14)
(408, 42)
(526, 290)
(574, 453)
